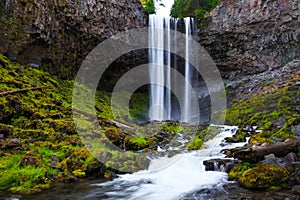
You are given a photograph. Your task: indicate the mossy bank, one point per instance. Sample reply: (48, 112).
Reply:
(39, 144)
(39, 141)
(269, 117)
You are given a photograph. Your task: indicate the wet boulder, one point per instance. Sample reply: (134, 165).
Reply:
(224, 165)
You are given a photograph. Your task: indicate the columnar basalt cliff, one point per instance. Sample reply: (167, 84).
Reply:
(251, 36)
(58, 34)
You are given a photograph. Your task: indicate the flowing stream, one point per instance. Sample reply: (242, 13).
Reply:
(181, 177)
(169, 178)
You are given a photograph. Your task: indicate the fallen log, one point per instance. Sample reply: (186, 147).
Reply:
(22, 90)
(258, 153)
(101, 119)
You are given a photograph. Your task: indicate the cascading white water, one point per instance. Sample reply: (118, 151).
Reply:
(168, 78)
(187, 104)
(160, 87)
(174, 178)
(156, 58)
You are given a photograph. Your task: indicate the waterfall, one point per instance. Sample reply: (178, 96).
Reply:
(160, 76)
(187, 104)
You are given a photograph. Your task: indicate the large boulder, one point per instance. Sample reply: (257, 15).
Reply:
(265, 176)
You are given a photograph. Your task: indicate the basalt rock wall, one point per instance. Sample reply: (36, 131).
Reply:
(251, 36)
(58, 34)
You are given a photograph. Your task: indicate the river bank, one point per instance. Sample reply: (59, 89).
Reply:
(191, 181)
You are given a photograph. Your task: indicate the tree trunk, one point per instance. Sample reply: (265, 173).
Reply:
(255, 154)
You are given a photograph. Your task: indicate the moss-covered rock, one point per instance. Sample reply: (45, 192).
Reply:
(204, 133)
(265, 176)
(239, 169)
(196, 144)
(115, 135)
(136, 143)
(172, 127)
(240, 136)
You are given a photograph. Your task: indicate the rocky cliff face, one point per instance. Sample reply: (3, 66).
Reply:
(58, 34)
(251, 36)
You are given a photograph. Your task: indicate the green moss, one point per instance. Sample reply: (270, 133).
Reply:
(21, 179)
(293, 42)
(136, 143)
(196, 144)
(139, 104)
(261, 138)
(274, 113)
(115, 135)
(79, 173)
(240, 136)
(50, 149)
(205, 133)
(172, 127)
(265, 176)
(239, 169)
(42, 121)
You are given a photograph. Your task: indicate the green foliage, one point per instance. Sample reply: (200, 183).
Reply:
(79, 173)
(178, 9)
(192, 8)
(172, 127)
(21, 179)
(268, 82)
(149, 6)
(293, 42)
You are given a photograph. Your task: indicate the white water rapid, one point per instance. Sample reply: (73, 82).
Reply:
(172, 179)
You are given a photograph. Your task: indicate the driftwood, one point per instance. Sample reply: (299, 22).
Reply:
(22, 90)
(257, 153)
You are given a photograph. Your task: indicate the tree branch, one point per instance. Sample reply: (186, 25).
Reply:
(22, 90)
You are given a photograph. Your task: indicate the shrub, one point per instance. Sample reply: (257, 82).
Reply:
(149, 6)
(192, 8)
